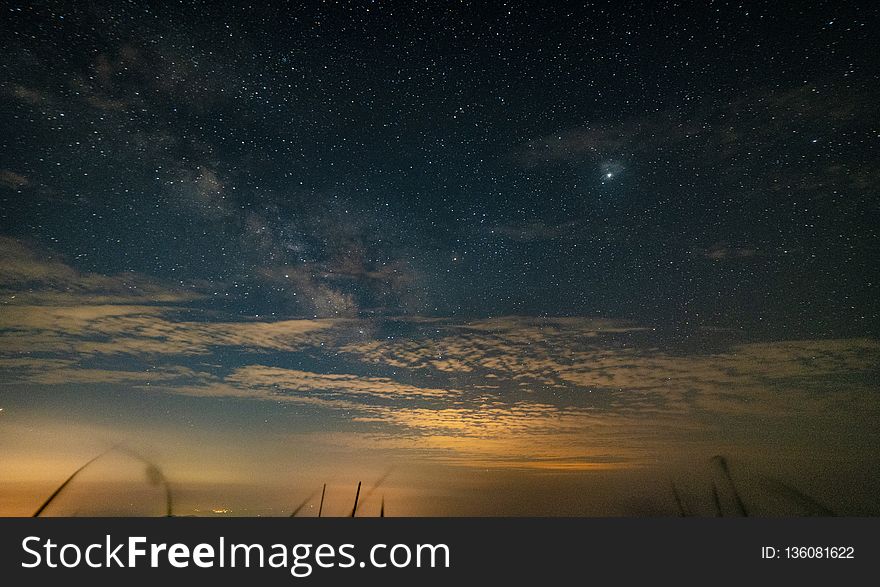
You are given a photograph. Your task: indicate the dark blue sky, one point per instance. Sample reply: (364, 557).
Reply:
(440, 227)
(454, 159)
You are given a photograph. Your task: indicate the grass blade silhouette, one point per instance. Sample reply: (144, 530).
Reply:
(810, 505)
(297, 509)
(369, 492)
(721, 464)
(153, 472)
(717, 501)
(67, 482)
(154, 476)
(682, 510)
(356, 495)
(321, 507)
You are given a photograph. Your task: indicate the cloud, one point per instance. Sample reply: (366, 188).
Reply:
(310, 253)
(108, 330)
(339, 392)
(451, 427)
(535, 435)
(122, 79)
(737, 141)
(32, 275)
(602, 141)
(565, 393)
(222, 390)
(33, 364)
(719, 251)
(53, 308)
(74, 375)
(529, 327)
(295, 381)
(603, 355)
(506, 345)
(12, 180)
(29, 95)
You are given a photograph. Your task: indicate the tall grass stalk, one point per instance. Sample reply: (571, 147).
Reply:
(66, 483)
(356, 496)
(721, 463)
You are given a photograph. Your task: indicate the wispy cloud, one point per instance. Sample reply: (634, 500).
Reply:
(514, 345)
(75, 375)
(778, 109)
(109, 330)
(565, 393)
(28, 94)
(621, 359)
(719, 251)
(736, 141)
(330, 384)
(314, 254)
(12, 180)
(53, 308)
(34, 275)
(509, 391)
(534, 435)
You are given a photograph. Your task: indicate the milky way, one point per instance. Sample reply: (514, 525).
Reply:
(525, 247)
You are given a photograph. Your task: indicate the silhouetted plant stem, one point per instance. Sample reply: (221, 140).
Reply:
(356, 495)
(66, 482)
(716, 500)
(721, 463)
(682, 513)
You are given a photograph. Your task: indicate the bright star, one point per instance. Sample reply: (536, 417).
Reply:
(610, 169)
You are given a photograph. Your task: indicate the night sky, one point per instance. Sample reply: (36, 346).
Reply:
(487, 258)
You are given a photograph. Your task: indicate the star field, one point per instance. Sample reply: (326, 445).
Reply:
(444, 221)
